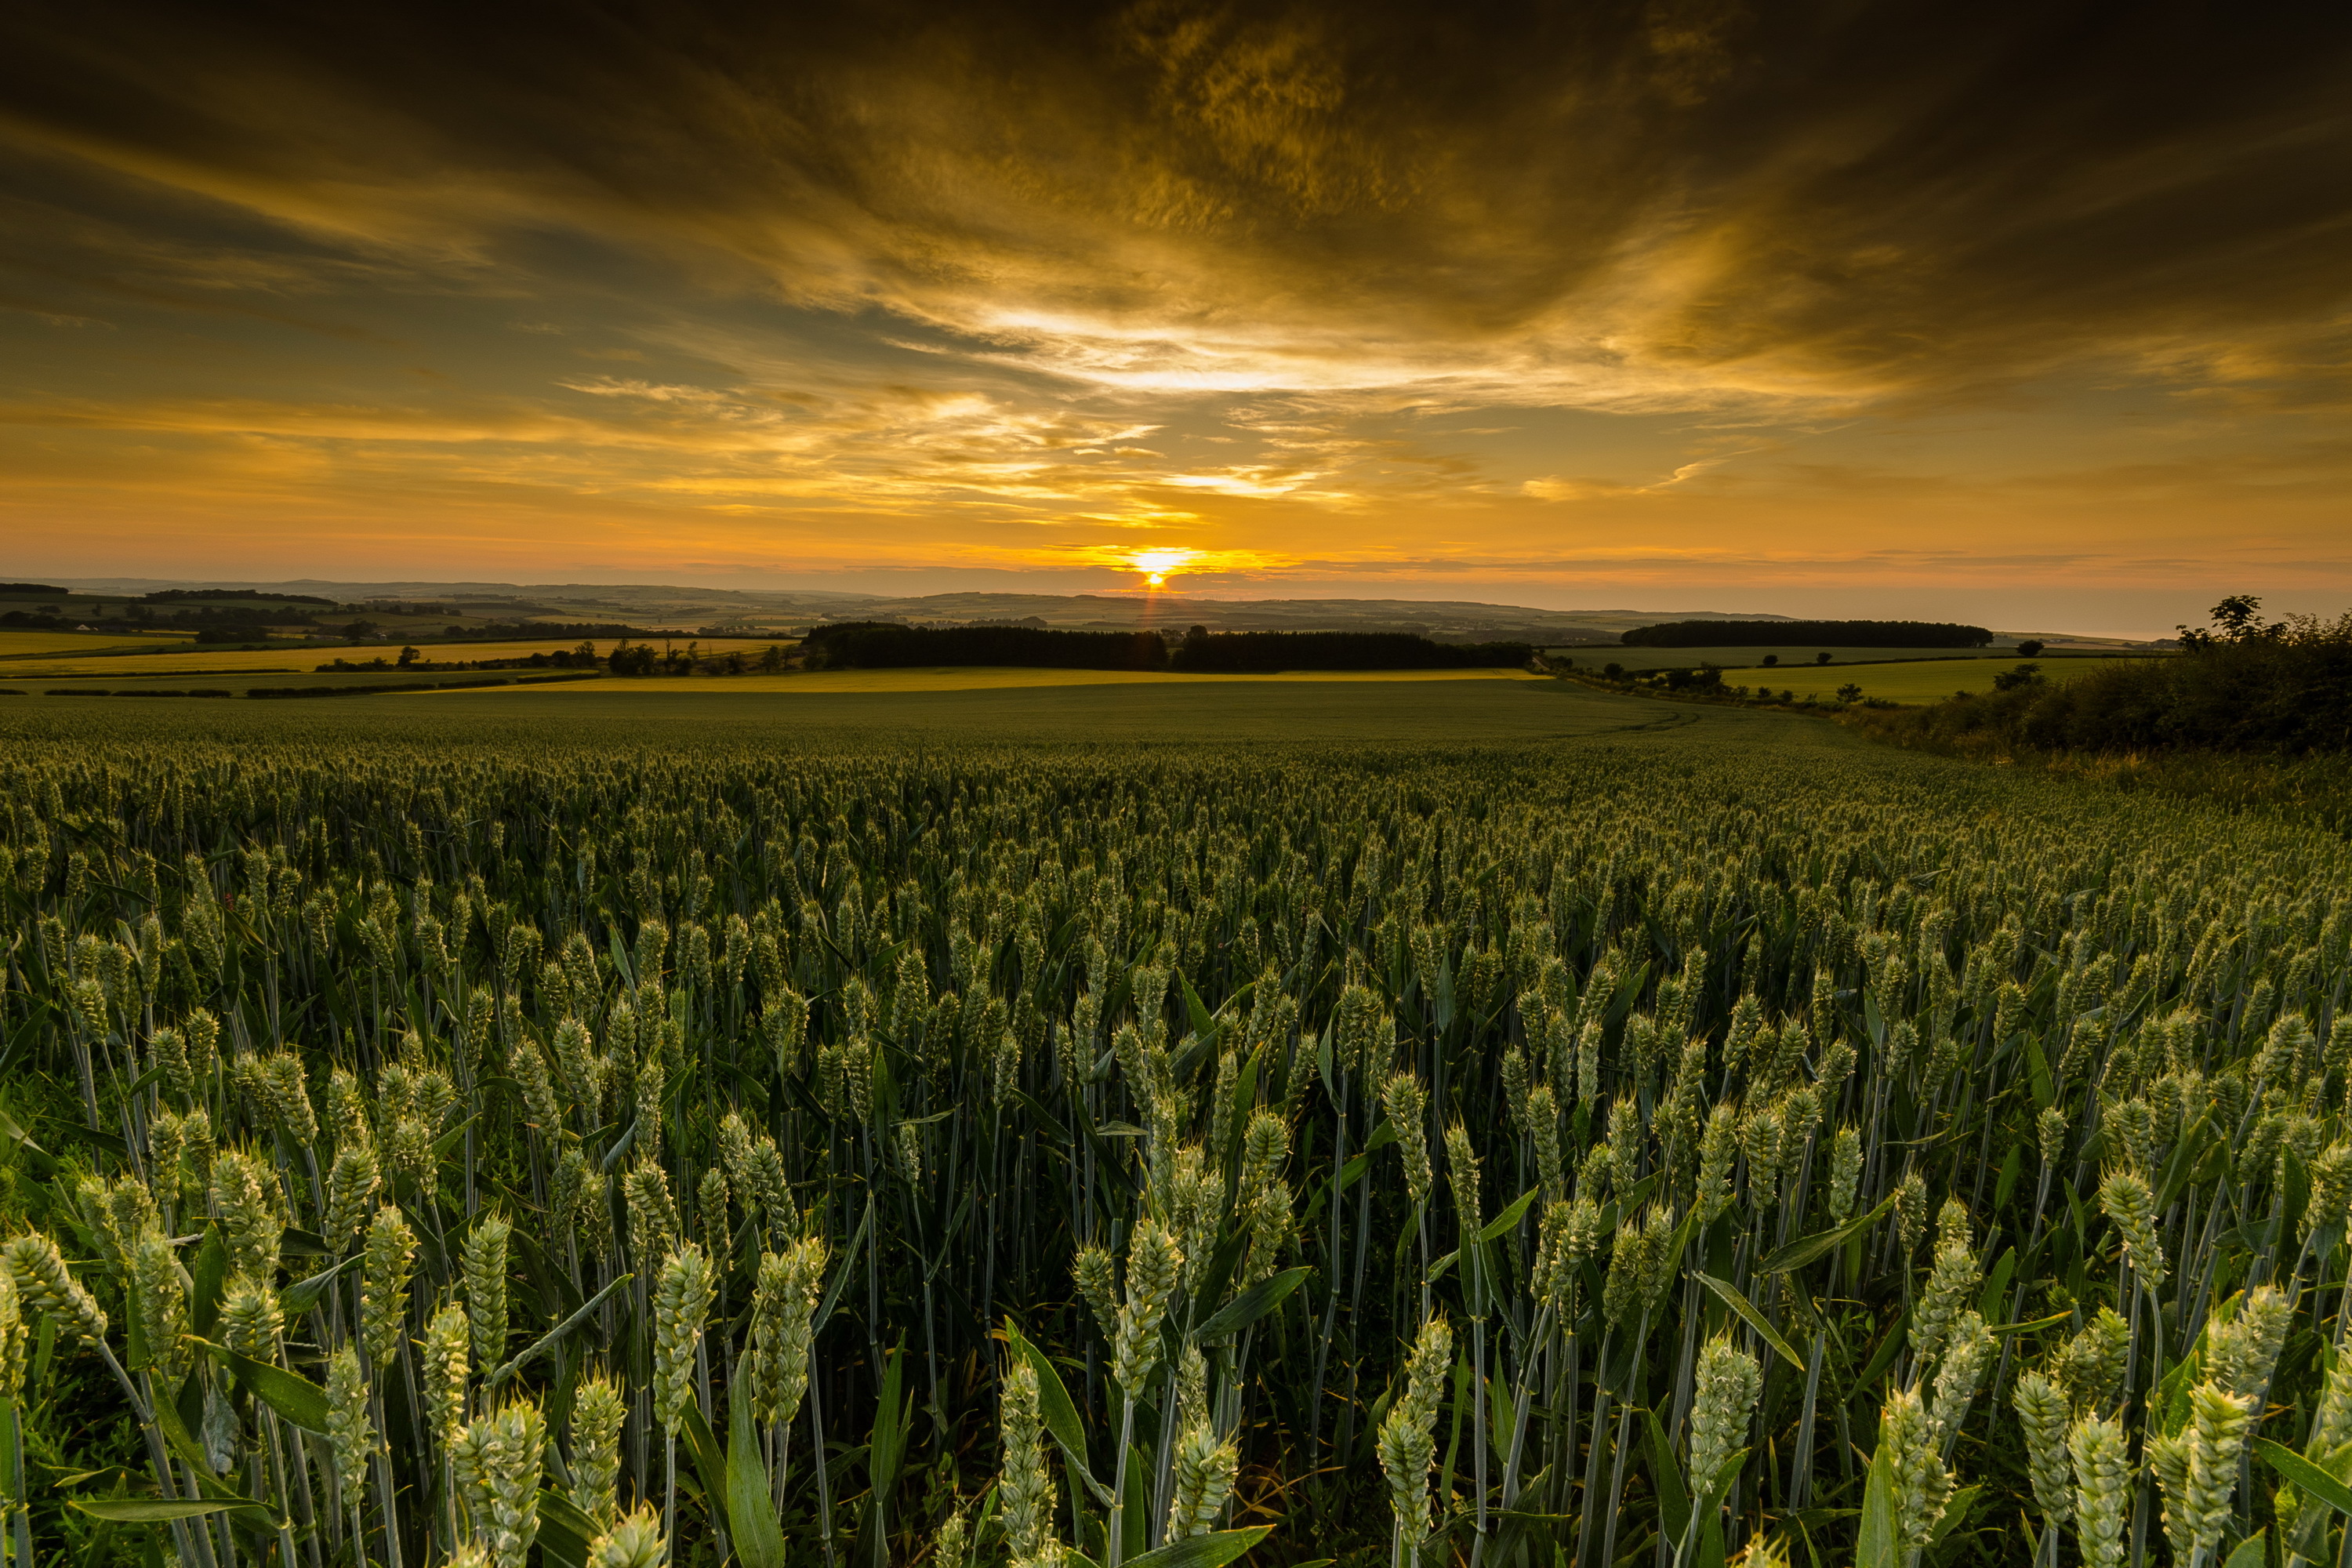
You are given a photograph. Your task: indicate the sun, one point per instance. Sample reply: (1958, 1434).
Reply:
(1158, 565)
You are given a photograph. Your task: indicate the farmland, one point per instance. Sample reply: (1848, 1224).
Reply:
(965, 677)
(290, 655)
(1793, 659)
(26, 646)
(1381, 1120)
(1909, 682)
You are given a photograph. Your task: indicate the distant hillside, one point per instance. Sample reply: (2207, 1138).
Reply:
(714, 611)
(475, 608)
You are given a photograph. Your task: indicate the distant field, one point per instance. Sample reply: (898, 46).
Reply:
(966, 679)
(242, 683)
(15, 644)
(1639, 658)
(301, 657)
(1908, 682)
(1260, 711)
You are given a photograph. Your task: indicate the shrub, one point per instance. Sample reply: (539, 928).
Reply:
(1705, 679)
(2243, 685)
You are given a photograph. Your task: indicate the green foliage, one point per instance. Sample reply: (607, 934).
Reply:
(861, 1084)
(2282, 689)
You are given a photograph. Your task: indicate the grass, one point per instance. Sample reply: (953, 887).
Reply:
(1908, 683)
(1698, 1085)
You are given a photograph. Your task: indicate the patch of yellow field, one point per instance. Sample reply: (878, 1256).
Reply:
(1908, 683)
(966, 679)
(303, 656)
(20, 643)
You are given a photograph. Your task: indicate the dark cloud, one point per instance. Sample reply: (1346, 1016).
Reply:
(1680, 194)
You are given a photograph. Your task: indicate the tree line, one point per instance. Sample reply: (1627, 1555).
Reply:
(1805, 634)
(884, 645)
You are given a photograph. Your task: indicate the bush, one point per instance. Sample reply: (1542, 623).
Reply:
(2282, 687)
(1705, 679)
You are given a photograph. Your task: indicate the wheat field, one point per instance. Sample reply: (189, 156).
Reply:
(541, 1141)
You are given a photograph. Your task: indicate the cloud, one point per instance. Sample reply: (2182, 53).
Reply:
(1676, 206)
(1192, 265)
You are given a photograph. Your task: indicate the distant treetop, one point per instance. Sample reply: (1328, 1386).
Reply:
(17, 590)
(1807, 634)
(182, 596)
(849, 645)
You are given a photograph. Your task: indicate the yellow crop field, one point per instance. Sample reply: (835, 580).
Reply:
(15, 645)
(304, 656)
(1908, 682)
(968, 679)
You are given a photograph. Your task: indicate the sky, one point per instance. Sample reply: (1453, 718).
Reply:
(2038, 314)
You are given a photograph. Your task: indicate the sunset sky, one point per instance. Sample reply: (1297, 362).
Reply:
(2034, 313)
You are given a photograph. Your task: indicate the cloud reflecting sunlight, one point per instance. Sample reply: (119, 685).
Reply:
(1559, 305)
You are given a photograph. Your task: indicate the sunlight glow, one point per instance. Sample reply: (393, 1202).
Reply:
(1158, 566)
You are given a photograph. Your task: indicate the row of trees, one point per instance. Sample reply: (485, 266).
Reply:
(1799, 634)
(643, 658)
(872, 645)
